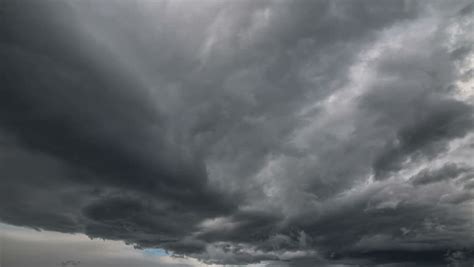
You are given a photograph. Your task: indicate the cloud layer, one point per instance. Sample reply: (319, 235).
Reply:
(297, 132)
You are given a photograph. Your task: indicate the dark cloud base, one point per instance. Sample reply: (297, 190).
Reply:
(301, 133)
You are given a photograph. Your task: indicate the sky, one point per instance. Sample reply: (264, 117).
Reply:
(222, 133)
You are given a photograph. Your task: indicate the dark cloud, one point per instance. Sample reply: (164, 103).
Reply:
(299, 133)
(431, 125)
(446, 172)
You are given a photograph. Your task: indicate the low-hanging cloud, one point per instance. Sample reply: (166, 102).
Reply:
(297, 132)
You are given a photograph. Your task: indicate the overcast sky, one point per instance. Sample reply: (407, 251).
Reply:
(247, 132)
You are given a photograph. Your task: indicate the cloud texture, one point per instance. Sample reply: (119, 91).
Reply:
(297, 132)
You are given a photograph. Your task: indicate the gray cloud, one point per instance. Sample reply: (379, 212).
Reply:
(446, 172)
(293, 132)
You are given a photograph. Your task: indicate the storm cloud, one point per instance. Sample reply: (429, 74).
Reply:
(297, 133)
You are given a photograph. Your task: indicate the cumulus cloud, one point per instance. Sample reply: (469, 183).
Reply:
(303, 132)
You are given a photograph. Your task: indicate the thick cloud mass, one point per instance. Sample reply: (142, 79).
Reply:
(297, 132)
